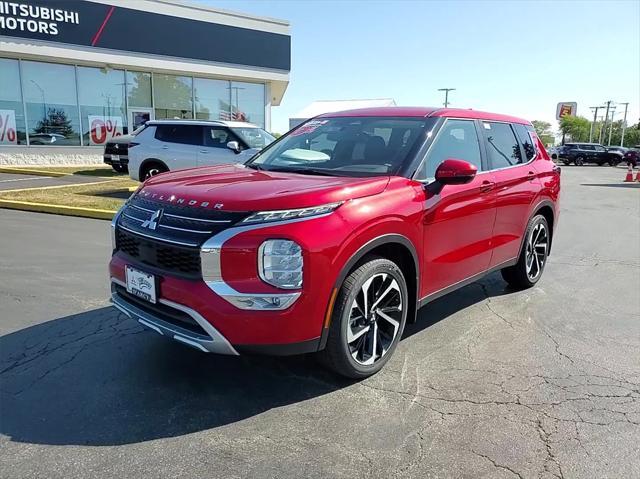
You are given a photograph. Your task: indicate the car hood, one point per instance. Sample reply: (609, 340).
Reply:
(238, 188)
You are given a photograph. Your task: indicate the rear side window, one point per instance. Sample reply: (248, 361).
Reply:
(184, 134)
(587, 147)
(503, 149)
(457, 139)
(526, 141)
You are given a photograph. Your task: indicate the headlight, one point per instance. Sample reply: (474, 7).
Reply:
(278, 215)
(280, 263)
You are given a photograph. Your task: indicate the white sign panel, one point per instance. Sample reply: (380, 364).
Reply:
(104, 128)
(8, 133)
(566, 108)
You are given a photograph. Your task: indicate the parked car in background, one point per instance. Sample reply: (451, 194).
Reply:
(582, 153)
(632, 156)
(331, 238)
(116, 153)
(618, 152)
(169, 145)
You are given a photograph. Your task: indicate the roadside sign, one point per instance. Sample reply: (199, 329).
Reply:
(8, 135)
(104, 128)
(566, 108)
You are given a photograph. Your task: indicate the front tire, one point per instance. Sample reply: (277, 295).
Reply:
(368, 319)
(579, 161)
(533, 257)
(152, 169)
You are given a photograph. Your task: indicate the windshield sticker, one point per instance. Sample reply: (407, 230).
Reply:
(487, 126)
(309, 127)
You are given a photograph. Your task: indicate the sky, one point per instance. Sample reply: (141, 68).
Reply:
(513, 57)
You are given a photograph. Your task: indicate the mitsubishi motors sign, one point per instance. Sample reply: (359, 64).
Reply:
(26, 17)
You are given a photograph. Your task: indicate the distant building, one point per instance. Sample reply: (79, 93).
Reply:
(328, 106)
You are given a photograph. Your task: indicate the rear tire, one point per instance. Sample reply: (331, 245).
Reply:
(533, 257)
(368, 319)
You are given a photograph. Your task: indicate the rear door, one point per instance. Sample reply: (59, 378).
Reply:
(215, 150)
(510, 151)
(179, 144)
(458, 219)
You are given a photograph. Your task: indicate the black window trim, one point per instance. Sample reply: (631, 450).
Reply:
(424, 151)
(522, 152)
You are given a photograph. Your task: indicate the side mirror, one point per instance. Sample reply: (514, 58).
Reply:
(455, 172)
(233, 145)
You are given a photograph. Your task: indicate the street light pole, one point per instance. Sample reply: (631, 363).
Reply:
(595, 116)
(446, 95)
(624, 122)
(613, 111)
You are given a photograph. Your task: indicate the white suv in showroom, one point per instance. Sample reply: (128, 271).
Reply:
(169, 145)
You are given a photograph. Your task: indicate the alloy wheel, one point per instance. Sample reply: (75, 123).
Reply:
(374, 318)
(536, 253)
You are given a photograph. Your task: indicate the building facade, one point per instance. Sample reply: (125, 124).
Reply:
(76, 73)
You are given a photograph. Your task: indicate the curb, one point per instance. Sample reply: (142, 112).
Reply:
(58, 209)
(21, 171)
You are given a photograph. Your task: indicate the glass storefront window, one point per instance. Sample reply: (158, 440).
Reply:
(212, 99)
(139, 89)
(102, 108)
(12, 128)
(172, 96)
(52, 110)
(248, 102)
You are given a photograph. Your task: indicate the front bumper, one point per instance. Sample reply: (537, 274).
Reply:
(206, 340)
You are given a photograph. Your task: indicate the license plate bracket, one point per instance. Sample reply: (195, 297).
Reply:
(141, 284)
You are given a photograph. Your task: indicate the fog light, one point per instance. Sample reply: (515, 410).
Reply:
(280, 263)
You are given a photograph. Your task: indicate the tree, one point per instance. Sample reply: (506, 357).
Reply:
(543, 129)
(56, 121)
(575, 127)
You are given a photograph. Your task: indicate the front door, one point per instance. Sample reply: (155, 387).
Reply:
(138, 117)
(215, 150)
(458, 219)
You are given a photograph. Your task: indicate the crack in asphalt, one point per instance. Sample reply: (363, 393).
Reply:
(498, 466)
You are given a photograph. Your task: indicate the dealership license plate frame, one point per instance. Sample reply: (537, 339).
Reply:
(141, 284)
(115, 158)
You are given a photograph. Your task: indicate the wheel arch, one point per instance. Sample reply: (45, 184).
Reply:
(545, 208)
(396, 248)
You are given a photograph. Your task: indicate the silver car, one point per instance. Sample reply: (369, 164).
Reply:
(169, 145)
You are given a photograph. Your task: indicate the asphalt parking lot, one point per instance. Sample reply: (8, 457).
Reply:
(489, 383)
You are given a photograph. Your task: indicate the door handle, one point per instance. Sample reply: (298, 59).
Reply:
(204, 151)
(165, 147)
(487, 186)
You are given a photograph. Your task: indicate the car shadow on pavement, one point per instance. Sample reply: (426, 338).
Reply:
(98, 378)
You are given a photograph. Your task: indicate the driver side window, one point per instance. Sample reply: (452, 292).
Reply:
(456, 139)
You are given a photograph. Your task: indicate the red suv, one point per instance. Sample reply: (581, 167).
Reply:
(330, 239)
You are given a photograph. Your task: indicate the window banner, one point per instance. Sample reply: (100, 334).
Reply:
(8, 135)
(104, 128)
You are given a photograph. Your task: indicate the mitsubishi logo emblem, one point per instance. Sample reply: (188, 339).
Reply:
(152, 223)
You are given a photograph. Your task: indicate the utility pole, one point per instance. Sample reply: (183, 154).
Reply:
(446, 95)
(595, 117)
(613, 111)
(624, 122)
(606, 117)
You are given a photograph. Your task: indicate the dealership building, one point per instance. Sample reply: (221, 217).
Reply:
(75, 73)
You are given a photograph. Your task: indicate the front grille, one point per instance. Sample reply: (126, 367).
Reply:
(182, 261)
(163, 312)
(168, 236)
(121, 149)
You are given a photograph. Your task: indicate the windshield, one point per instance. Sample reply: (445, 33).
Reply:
(348, 146)
(254, 137)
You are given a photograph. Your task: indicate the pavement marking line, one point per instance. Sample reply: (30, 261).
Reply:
(58, 186)
(58, 209)
(32, 178)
